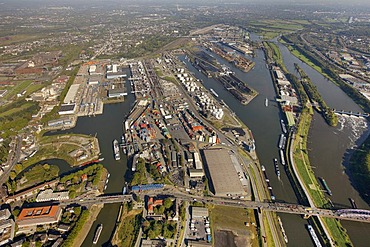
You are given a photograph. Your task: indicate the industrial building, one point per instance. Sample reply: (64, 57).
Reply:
(7, 228)
(67, 109)
(39, 216)
(117, 92)
(49, 195)
(71, 94)
(223, 176)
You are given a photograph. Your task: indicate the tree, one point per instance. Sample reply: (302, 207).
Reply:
(46, 167)
(167, 203)
(161, 209)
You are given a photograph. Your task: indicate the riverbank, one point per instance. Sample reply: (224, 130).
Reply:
(299, 162)
(330, 73)
(94, 211)
(128, 227)
(359, 166)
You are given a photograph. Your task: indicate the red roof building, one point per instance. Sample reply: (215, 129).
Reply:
(39, 216)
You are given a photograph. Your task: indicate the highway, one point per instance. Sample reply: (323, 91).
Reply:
(346, 214)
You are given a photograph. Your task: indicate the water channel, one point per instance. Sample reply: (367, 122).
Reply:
(327, 145)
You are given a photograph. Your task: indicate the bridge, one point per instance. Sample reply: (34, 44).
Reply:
(359, 215)
(350, 113)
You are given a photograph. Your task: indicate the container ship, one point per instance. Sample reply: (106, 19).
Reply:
(282, 230)
(314, 236)
(326, 186)
(97, 233)
(116, 150)
(283, 127)
(277, 170)
(213, 92)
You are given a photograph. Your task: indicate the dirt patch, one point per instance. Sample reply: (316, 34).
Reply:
(228, 238)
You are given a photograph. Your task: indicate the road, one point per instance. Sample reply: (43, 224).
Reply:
(268, 206)
(13, 159)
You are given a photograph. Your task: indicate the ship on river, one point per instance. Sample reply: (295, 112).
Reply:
(213, 92)
(277, 170)
(283, 127)
(282, 159)
(314, 236)
(326, 186)
(97, 233)
(116, 150)
(282, 141)
(282, 230)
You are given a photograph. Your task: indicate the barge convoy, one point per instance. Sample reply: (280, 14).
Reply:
(277, 170)
(314, 236)
(282, 230)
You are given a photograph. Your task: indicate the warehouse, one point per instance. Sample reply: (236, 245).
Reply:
(71, 94)
(222, 174)
(67, 109)
(117, 92)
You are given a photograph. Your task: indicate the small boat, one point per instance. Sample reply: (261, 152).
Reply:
(353, 203)
(266, 102)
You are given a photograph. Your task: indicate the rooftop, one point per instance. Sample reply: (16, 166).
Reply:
(224, 177)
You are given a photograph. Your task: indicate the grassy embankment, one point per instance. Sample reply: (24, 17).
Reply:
(311, 90)
(128, 227)
(359, 164)
(300, 153)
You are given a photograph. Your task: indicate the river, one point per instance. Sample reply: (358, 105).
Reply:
(328, 146)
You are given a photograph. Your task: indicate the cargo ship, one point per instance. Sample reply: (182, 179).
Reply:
(283, 127)
(277, 170)
(281, 141)
(314, 236)
(282, 157)
(282, 230)
(97, 233)
(92, 162)
(116, 150)
(326, 186)
(213, 92)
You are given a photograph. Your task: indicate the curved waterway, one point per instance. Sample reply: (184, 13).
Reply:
(330, 147)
